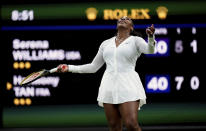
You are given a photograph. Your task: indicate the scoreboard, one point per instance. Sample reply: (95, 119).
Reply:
(175, 70)
(42, 36)
(39, 35)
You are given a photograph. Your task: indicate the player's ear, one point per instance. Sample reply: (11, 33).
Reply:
(132, 29)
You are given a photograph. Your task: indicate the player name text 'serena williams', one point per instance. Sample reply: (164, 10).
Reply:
(38, 50)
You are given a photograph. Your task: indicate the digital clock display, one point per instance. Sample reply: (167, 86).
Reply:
(24, 15)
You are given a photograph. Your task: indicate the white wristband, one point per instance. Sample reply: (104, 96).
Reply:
(151, 40)
(72, 68)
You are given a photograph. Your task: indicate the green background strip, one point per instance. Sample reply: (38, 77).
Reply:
(77, 10)
(92, 115)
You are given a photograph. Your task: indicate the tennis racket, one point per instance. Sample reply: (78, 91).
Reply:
(36, 75)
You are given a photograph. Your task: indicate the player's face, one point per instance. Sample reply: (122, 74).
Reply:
(125, 22)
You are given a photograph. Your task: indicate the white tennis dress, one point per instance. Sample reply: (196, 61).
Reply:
(120, 82)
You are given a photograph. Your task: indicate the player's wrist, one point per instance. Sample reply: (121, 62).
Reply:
(150, 35)
(62, 68)
(151, 39)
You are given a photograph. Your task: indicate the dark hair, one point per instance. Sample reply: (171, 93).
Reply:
(135, 33)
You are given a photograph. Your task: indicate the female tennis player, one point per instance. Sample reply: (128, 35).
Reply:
(121, 92)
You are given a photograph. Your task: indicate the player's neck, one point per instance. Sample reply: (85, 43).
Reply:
(123, 34)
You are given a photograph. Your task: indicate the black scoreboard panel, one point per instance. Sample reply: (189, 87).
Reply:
(177, 62)
(42, 36)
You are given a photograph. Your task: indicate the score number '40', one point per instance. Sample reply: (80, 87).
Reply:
(157, 83)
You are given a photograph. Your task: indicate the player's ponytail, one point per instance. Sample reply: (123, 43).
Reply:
(135, 33)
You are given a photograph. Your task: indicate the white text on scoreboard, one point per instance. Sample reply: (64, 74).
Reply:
(157, 83)
(161, 48)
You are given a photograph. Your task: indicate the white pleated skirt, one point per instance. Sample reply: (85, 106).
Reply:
(121, 87)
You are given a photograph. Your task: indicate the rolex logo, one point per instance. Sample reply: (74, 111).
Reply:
(91, 13)
(162, 12)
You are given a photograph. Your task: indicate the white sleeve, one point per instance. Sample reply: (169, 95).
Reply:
(93, 67)
(144, 47)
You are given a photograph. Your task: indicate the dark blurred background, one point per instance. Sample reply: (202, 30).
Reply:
(41, 34)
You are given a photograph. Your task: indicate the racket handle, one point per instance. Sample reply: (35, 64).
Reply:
(53, 70)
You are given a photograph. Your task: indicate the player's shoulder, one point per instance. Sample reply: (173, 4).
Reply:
(137, 38)
(107, 41)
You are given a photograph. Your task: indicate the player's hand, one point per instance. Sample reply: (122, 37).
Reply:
(62, 68)
(150, 30)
